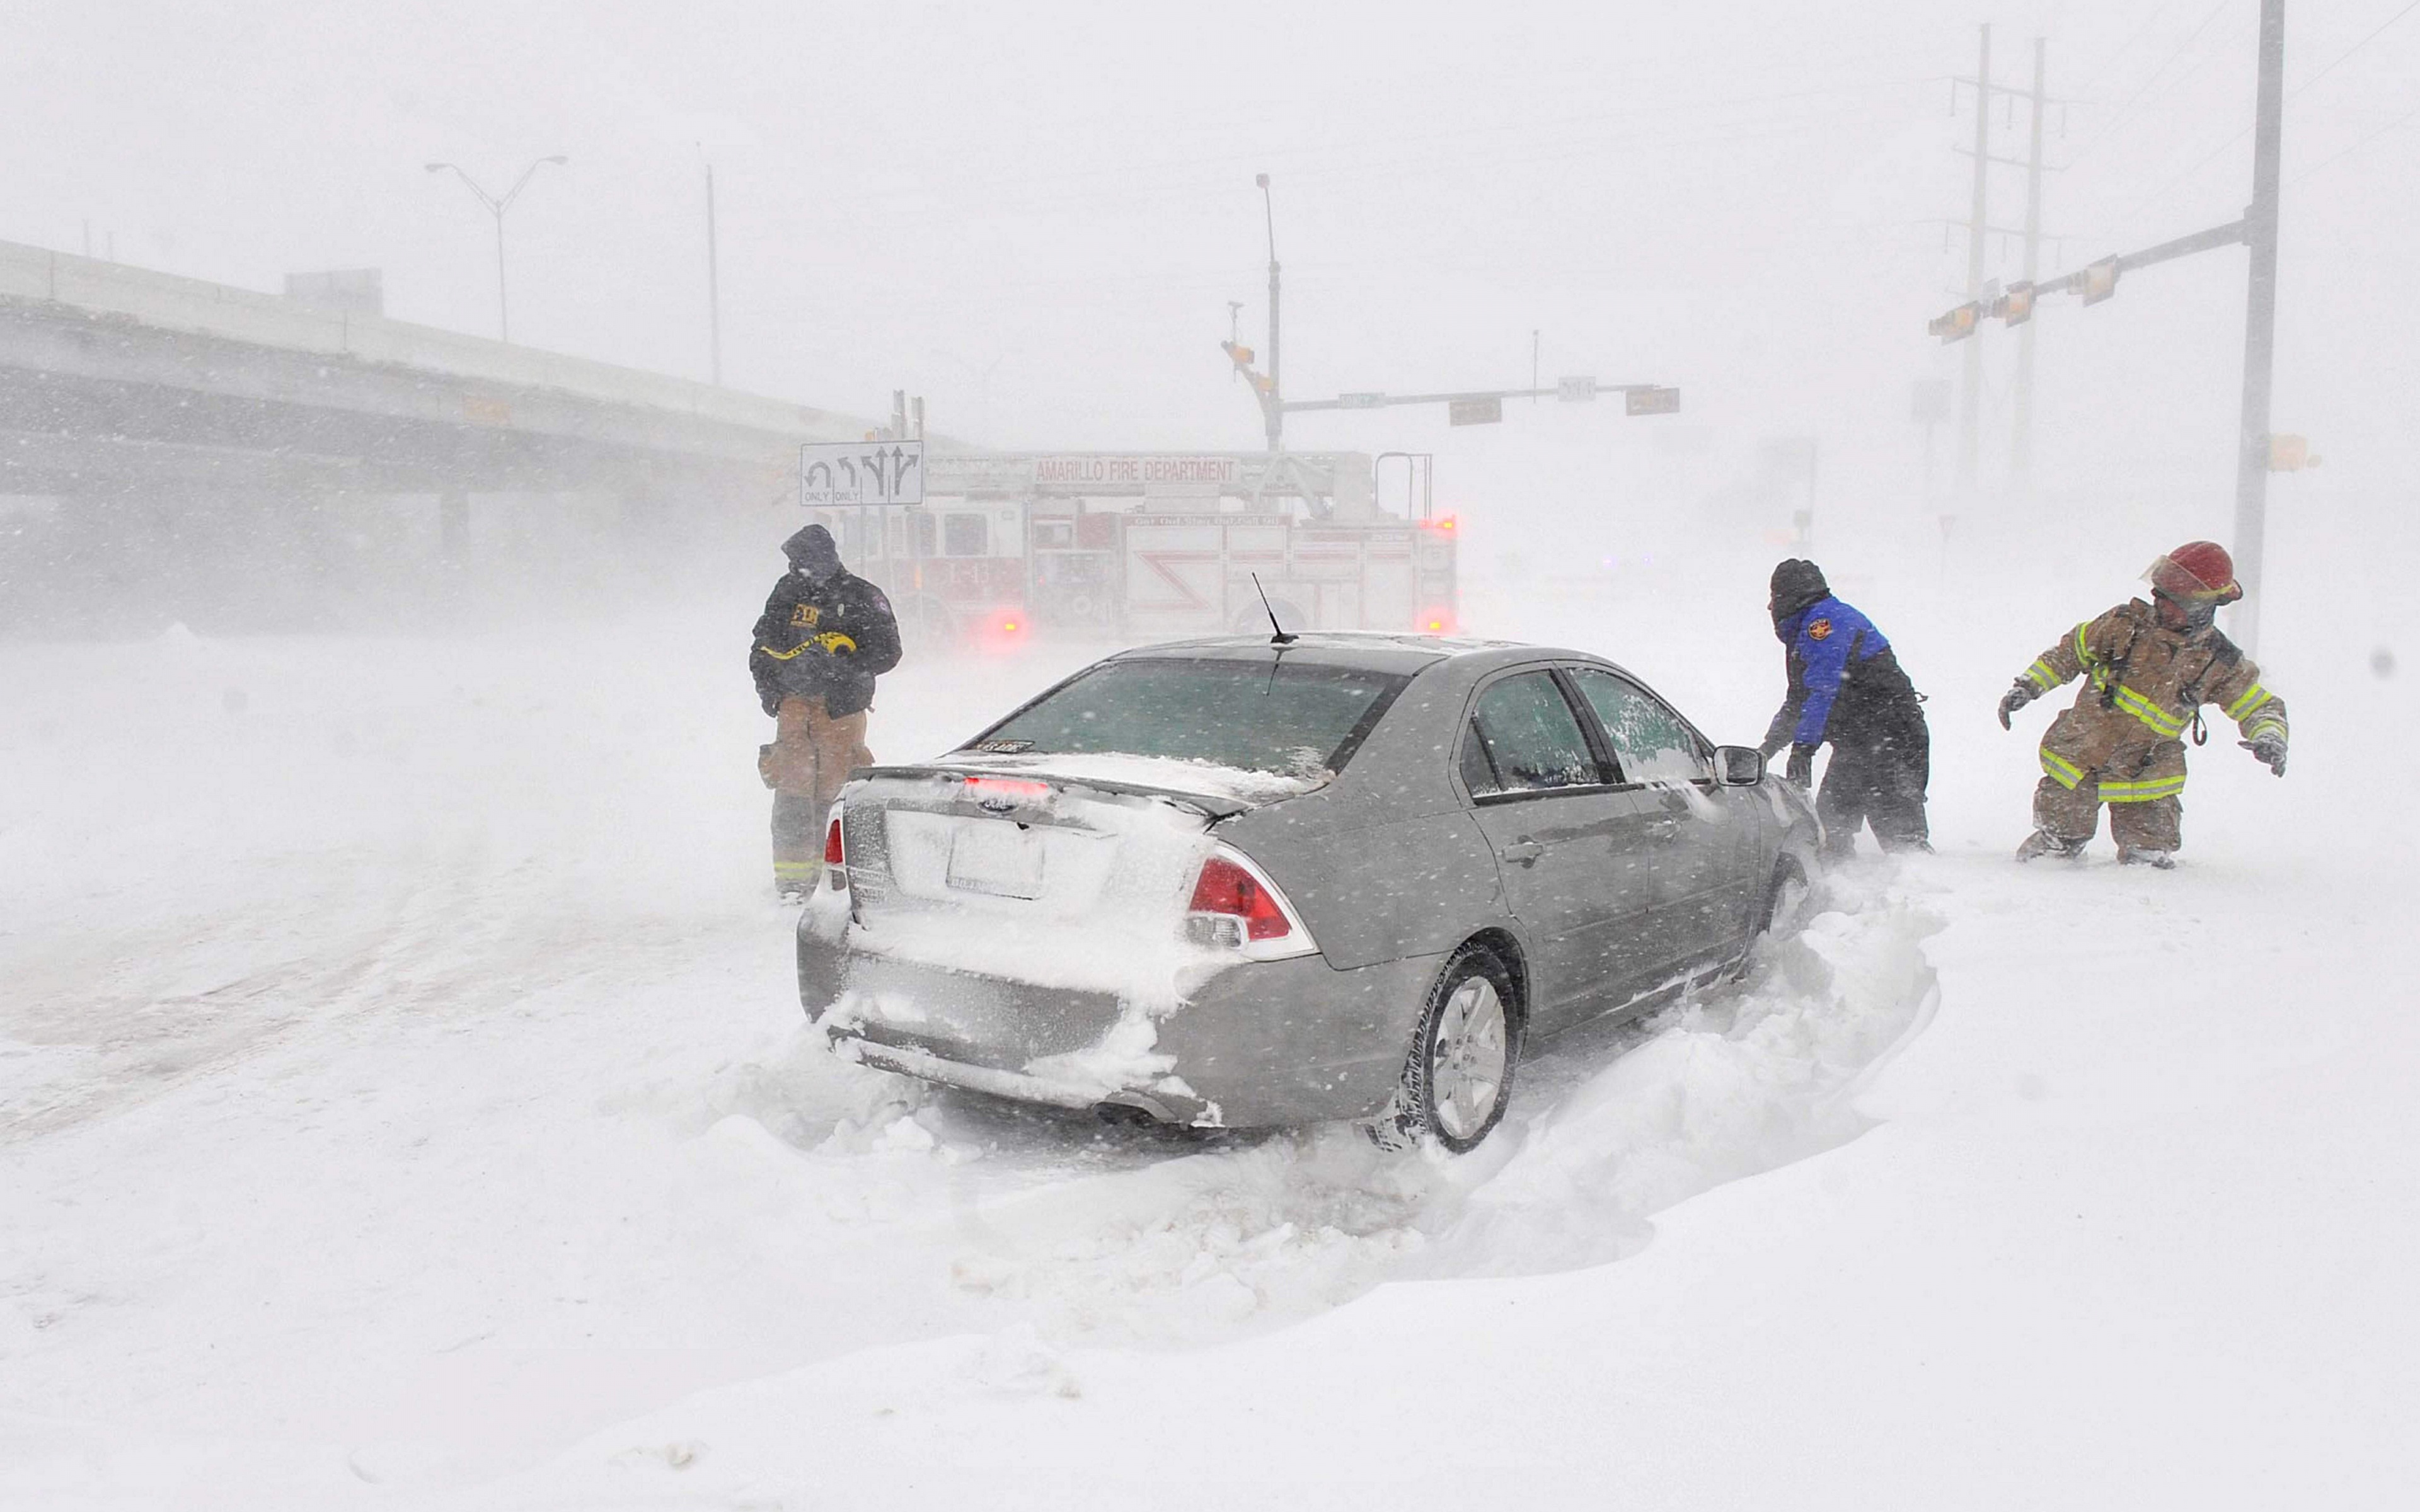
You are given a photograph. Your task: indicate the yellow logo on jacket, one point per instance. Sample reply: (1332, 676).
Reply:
(805, 617)
(1820, 629)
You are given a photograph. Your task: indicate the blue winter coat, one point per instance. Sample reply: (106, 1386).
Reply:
(1845, 682)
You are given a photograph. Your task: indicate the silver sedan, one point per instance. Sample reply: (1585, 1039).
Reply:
(1232, 882)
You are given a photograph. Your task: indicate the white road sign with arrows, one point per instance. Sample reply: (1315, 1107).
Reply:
(837, 474)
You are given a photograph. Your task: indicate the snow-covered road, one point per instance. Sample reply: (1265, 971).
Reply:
(403, 1096)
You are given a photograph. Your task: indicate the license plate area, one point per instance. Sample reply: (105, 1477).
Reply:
(995, 858)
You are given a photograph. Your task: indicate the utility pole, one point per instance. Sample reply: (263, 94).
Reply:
(2259, 323)
(1970, 397)
(713, 284)
(2021, 443)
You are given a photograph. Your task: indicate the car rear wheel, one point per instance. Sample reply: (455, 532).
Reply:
(1458, 1079)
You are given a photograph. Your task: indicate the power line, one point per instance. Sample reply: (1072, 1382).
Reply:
(2332, 158)
(2245, 130)
(2158, 73)
(2168, 187)
(2354, 48)
(2109, 61)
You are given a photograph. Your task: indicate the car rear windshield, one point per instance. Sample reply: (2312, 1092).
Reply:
(1295, 718)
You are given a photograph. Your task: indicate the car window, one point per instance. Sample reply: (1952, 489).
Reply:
(1648, 739)
(1478, 772)
(1531, 738)
(1297, 717)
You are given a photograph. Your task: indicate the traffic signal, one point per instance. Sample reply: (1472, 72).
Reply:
(1958, 324)
(2100, 281)
(2017, 305)
(2289, 453)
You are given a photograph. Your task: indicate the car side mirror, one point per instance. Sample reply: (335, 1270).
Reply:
(1739, 766)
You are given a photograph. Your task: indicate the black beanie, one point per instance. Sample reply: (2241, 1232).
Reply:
(1797, 583)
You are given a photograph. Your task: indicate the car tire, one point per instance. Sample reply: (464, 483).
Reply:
(1783, 909)
(1458, 1079)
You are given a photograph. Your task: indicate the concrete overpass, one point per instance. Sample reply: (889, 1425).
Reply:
(119, 382)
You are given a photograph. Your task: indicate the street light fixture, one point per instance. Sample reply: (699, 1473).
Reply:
(497, 207)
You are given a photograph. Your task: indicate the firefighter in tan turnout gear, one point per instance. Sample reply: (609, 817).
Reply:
(2149, 668)
(825, 635)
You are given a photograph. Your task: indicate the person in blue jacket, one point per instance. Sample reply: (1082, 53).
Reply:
(1847, 689)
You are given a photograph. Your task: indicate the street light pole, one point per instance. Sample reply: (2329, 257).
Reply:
(497, 206)
(2259, 323)
(1277, 393)
(713, 283)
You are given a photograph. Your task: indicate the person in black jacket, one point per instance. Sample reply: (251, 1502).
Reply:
(825, 635)
(1846, 688)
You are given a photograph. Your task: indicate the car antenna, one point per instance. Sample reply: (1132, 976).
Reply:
(1279, 637)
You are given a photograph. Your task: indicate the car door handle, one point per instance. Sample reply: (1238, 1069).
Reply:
(1523, 851)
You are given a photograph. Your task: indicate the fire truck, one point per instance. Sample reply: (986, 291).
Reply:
(1146, 545)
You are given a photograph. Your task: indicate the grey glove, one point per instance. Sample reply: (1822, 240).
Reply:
(2020, 693)
(2268, 746)
(1802, 766)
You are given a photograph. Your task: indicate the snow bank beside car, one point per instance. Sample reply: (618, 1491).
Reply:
(1179, 1245)
(1242, 1236)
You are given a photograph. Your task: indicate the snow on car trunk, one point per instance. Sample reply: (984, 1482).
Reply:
(1051, 884)
(1055, 899)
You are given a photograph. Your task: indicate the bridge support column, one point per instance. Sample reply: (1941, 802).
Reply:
(454, 527)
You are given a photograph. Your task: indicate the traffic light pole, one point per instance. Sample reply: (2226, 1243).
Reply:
(1653, 399)
(2259, 325)
(2257, 452)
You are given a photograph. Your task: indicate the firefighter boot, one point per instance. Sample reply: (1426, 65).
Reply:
(2140, 856)
(798, 844)
(2042, 843)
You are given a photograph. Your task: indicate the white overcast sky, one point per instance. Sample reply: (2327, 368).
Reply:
(1035, 214)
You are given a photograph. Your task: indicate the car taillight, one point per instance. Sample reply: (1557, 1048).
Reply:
(835, 856)
(1231, 906)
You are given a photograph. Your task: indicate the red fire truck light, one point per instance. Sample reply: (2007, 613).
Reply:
(1438, 621)
(1445, 522)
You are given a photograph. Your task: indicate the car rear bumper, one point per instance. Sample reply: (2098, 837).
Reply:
(1262, 1043)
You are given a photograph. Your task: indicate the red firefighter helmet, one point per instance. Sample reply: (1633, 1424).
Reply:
(2198, 572)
